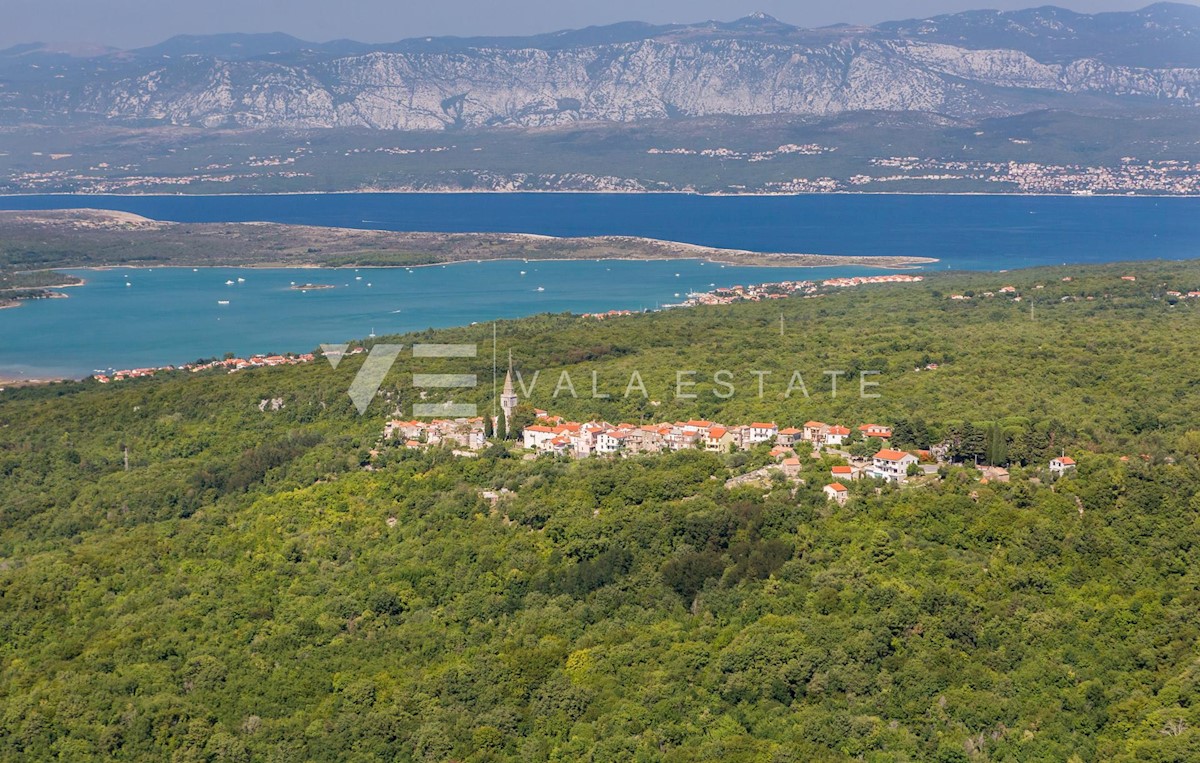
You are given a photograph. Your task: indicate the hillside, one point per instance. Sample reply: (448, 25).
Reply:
(187, 573)
(966, 65)
(1037, 101)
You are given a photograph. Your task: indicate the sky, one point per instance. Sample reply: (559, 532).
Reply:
(134, 23)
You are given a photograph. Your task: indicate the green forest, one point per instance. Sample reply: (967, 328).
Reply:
(186, 575)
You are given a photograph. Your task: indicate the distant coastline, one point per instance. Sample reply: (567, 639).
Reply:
(600, 192)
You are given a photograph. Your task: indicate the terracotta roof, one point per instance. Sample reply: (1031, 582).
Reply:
(760, 425)
(793, 461)
(790, 430)
(811, 424)
(842, 470)
(835, 429)
(1065, 460)
(717, 433)
(892, 455)
(837, 486)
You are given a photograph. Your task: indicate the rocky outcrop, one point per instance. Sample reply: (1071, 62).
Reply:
(754, 66)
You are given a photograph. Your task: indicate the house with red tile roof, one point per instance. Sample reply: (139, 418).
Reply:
(762, 432)
(836, 435)
(813, 430)
(788, 436)
(876, 430)
(611, 441)
(837, 492)
(891, 465)
(843, 473)
(1061, 465)
(718, 439)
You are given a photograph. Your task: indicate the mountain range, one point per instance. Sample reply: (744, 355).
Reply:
(970, 65)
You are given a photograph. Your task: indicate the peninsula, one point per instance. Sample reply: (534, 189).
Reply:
(98, 238)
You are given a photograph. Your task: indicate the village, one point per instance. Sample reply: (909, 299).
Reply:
(230, 364)
(553, 436)
(783, 289)
(556, 437)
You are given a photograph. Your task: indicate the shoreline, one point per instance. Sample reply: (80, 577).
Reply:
(11, 382)
(598, 192)
(382, 246)
(906, 263)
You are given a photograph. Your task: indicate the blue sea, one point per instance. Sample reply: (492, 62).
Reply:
(172, 315)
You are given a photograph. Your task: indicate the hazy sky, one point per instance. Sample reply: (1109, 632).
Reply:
(133, 23)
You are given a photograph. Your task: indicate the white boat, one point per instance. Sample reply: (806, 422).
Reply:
(357, 278)
(229, 283)
(241, 280)
(222, 302)
(541, 288)
(522, 272)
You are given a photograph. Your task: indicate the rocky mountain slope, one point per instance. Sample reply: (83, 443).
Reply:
(966, 65)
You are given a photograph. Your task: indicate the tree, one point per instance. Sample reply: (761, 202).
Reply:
(996, 451)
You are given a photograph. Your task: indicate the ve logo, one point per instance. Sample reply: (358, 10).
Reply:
(382, 357)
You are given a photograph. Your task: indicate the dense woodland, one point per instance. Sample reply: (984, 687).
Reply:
(186, 577)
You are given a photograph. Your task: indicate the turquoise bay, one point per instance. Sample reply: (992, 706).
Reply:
(172, 315)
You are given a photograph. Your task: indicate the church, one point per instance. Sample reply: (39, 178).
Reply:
(508, 398)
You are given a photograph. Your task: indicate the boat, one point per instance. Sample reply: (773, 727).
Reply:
(241, 280)
(229, 283)
(222, 302)
(522, 272)
(541, 288)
